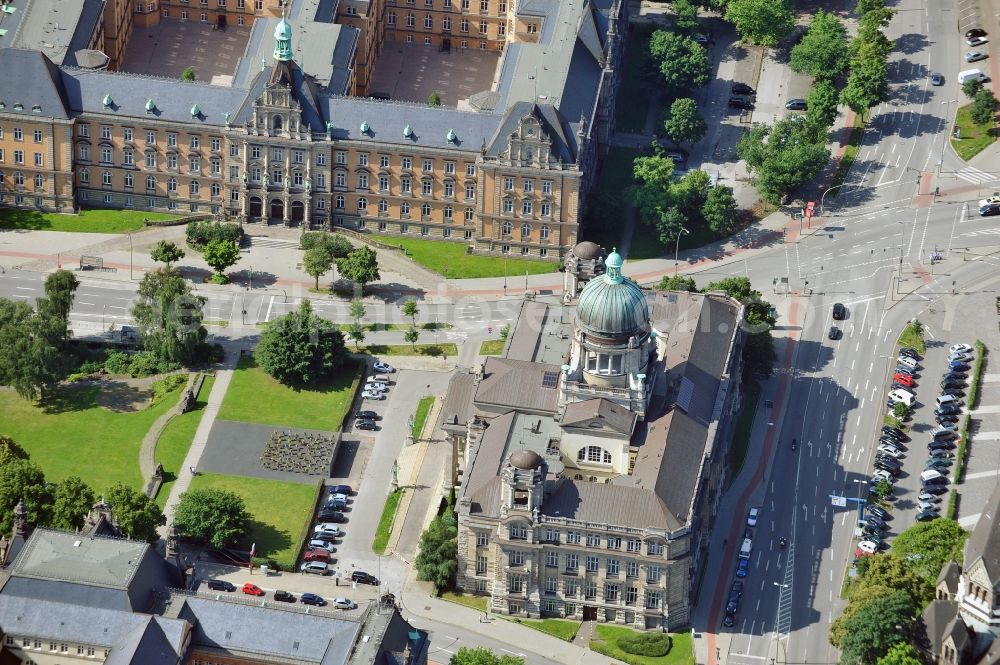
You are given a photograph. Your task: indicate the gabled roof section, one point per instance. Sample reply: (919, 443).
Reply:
(173, 99)
(517, 384)
(604, 503)
(148, 643)
(36, 85)
(607, 413)
(588, 34)
(938, 617)
(984, 543)
(563, 146)
(949, 577)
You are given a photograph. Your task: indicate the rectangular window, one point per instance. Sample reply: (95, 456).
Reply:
(234, 150)
(362, 181)
(611, 593)
(171, 140)
(590, 590)
(19, 156)
(406, 163)
(84, 131)
(654, 548)
(508, 184)
(426, 187)
(39, 161)
(105, 131)
(593, 563)
(482, 564)
(652, 574)
(362, 159)
(255, 152)
(391, 18)
(551, 585)
(428, 165)
(517, 532)
(321, 159)
(501, 29)
(171, 161)
(572, 537)
(194, 165)
(613, 567)
(150, 160)
(527, 207)
(634, 545)
(341, 157)
(552, 535)
(38, 136)
(216, 144)
(614, 542)
(570, 588)
(383, 183)
(546, 209)
(277, 154)
(652, 600)
(552, 559)
(632, 570)
(194, 142)
(593, 540)
(515, 583)
(482, 538)
(572, 563)
(515, 557)
(321, 180)
(631, 595)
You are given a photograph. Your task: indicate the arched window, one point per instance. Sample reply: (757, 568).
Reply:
(506, 228)
(594, 455)
(150, 182)
(362, 203)
(383, 206)
(543, 233)
(525, 230)
(277, 123)
(216, 189)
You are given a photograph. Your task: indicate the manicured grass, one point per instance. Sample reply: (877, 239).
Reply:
(975, 138)
(420, 417)
(450, 259)
(376, 327)
(255, 397)
(216, 322)
(606, 642)
(564, 629)
(491, 347)
(88, 221)
(475, 602)
(281, 513)
(384, 529)
(70, 435)
(636, 93)
(913, 337)
(744, 426)
(174, 442)
(410, 350)
(850, 154)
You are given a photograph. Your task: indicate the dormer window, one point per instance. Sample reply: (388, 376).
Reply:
(594, 455)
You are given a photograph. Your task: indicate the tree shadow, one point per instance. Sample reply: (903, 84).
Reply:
(16, 219)
(65, 399)
(258, 278)
(268, 538)
(912, 42)
(195, 274)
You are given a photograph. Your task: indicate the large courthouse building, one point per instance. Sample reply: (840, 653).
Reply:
(289, 136)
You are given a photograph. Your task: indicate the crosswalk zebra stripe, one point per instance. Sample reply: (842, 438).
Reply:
(974, 175)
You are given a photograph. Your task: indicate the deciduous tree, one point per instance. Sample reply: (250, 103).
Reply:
(137, 514)
(60, 290)
(188, 74)
(763, 22)
(437, 560)
(316, 261)
(72, 500)
(360, 265)
(822, 103)
(927, 546)
(169, 316)
(482, 656)
(300, 348)
(167, 252)
(867, 85)
(901, 654)
(677, 283)
(971, 88)
(984, 106)
(213, 516)
(876, 627)
(29, 359)
(220, 255)
(23, 479)
(411, 336)
(356, 332)
(684, 122)
(720, 210)
(783, 156)
(822, 53)
(10, 450)
(685, 16)
(682, 61)
(411, 310)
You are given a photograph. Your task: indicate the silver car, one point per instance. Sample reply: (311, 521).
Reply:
(973, 56)
(344, 604)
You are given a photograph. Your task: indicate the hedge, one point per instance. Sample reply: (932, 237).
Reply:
(654, 645)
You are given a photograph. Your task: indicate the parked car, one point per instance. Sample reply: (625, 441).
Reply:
(315, 567)
(900, 369)
(974, 56)
(316, 554)
(933, 489)
(326, 528)
(962, 347)
(729, 620)
(752, 517)
(337, 501)
(312, 599)
(372, 395)
(252, 589)
(974, 32)
(903, 379)
(940, 445)
(892, 451)
(796, 105)
(364, 578)
(989, 210)
(928, 497)
(947, 410)
(927, 515)
(699, 38)
(326, 536)
(740, 103)
(284, 597)
(941, 452)
(344, 604)
(368, 415)
(742, 89)
(877, 510)
(319, 544)
(735, 591)
(949, 418)
(894, 432)
(331, 515)
(867, 547)
(928, 506)
(375, 387)
(346, 490)
(909, 352)
(383, 368)
(742, 568)
(365, 425)
(976, 41)
(220, 585)
(953, 383)
(958, 366)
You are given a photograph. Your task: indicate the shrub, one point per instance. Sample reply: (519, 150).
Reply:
(270, 563)
(143, 364)
(201, 233)
(654, 645)
(117, 363)
(209, 354)
(338, 246)
(90, 367)
(166, 384)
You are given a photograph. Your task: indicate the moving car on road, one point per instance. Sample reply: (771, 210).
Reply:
(796, 105)
(937, 78)
(839, 311)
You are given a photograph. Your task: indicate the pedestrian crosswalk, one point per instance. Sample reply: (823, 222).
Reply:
(974, 175)
(275, 243)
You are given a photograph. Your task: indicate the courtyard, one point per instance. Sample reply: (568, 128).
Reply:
(411, 72)
(171, 46)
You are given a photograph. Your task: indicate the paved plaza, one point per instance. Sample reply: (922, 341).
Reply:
(411, 72)
(171, 46)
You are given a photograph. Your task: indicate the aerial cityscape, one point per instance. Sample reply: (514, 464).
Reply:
(371, 332)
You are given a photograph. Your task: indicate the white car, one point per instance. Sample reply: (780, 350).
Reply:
(992, 200)
(322, 545)
(372, 395)
(976, 41)
(752, 517)
(344, 603)
(383, 368)
(882, 474)
(327, 528)
(375, 387)
(927, 497)
(868, 546)
(890, 450)
(927, 505)
(965, 348)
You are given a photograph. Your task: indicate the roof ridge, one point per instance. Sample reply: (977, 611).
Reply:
(150, 77)
(403, 102)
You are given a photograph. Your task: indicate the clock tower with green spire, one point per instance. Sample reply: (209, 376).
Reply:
(283, 40)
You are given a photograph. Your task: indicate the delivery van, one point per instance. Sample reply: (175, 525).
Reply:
(970, 75)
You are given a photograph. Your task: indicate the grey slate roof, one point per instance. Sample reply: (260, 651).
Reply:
(50, 25)
(603, 503)
(489, 453)
(113, 629)
(173, 98)
(387, 119)
(949, 576)
(38, 82)
(611, 415)
(322, 49)
(984, 543)
(517, 384)
(250, 629)
(670, 459)
(90, 17)
(938, 617)
(563, 141)
(155, 641)
(457, 406)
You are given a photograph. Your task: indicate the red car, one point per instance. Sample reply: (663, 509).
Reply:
(316, 555)
(252, 590)
(903, 379)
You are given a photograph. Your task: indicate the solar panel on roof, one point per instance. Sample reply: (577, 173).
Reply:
(550, 379)
(685, 394)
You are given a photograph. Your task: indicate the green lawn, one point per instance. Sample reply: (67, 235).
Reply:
(410, 350)
(744, 425)
(467, 599)
(384, 529)
(423, 408)
(564, 629)
(70, 435)
(850, 154)
(491, 347)
(635, 97)
(282, 512)
(376, 327)
(606, 642)
(913, 337)
(975, 138)
(172, 447)
(255, 397)
(88, 221)
(450, 259)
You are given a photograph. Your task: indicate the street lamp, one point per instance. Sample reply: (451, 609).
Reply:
(677, 246)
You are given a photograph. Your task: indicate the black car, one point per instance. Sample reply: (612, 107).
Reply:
(312, 599)
(878, 511)
(909, 353)
(742, 89)
(934, 489)
(888, 459)
(953, 383)
(326, 536)
(959, 367)
(895, 432)
(734, 597)
(729, 620)
(957, 392)
(368, 415)
(940, 445)
(364, 578)
(839, 311)
(220, 585)
(975, 32)
(947, 410)
(365, 424)
(740, 103)
(950, 419)
(330, 515)
(989, 210)
(834, 333)
(284, 597)
(941, 453)
(955, 374)
(341, 489)
(927, 515)
(796, 105)
(893, 470)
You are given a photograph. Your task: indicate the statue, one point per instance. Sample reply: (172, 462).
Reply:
(267, 181)
(158, 472)
(309, 185)
(188, 402)
(288, 182)
(244, 179)
(395, 474)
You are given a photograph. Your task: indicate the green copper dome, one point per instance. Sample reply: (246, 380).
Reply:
(283, 41)
(612, 308)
